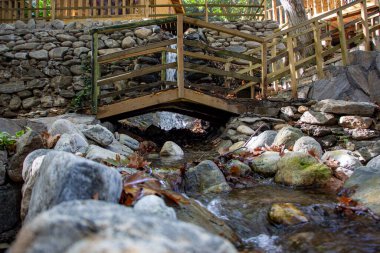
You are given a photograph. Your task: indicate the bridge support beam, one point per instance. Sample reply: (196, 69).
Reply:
(180, 57)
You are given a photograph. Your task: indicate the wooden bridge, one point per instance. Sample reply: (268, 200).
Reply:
(260, 69)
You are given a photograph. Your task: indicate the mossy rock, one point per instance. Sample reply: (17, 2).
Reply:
(299, 169)
(286, 214)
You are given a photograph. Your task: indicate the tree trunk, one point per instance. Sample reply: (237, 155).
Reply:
(297, 15)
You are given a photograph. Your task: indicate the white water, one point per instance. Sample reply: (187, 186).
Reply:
(265, 242)
(170, 58)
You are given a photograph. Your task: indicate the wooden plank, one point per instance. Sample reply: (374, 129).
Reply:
(243, 87)
(292, 66)
(219, 52)
(109, 9)
(136, 73)
(223, 29)
(163, 62)
(206, 10)
(137, 103)
(264, 70)
(22, 9)
(318, 49)
(124, 8)
(342, 38)
(136, 51)
(364, 17)
(191, 67)
(250, 68)
(53, 9)
(29, 10)
(200, 56)
(180, 56)
(95, 72)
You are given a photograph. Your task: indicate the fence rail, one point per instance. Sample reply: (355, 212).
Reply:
(12, 10)
(268, 65)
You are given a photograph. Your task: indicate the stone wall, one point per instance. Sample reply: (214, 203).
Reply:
(43, 64)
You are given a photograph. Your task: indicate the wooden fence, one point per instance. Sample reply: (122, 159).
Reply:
(268, 65)
(12, 10)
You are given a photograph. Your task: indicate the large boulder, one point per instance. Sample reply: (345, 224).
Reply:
(287, 136)
(307, 145)
(265, 164)
(63, 177)
(97, 226)
(64, 126)
(206, 177)
(265, 138)
(98, 134)
(299, 169)
(345, 107)
(171, 149)
(27, 143)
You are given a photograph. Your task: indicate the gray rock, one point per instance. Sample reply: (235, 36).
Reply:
(318, 118)
(265, 138)
(355, 122)
(245, 130)
(98, 134)
(27, 143)
(58, 52)
(39, 55)
(206, 177)
(238, 168)
(21, 56)
(143, 32)
(237, 49)
(58, 24)
(171, 149)
(9, 126)
(373, 82)
(357, 77)
(110, 43)
(153, 205)
(364, 134)
(12, 87)
(94, 226)
(345, 107)
(81, 50)
(287, 136)
(265, 164)
(362, 58)
(65, 37)
(3, 165)
(10, 197)
(129, 141)
(369, 151)
(71, 143)
(375, 162)
(345, 158)
(99, 154)
(26, 46)
(308, 144)
(64, 126)
(119, 148)
(128, 42)
(15, 103)
(3, 49)
(72, 178)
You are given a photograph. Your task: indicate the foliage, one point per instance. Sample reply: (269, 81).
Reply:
(82, 97)
(8, 142)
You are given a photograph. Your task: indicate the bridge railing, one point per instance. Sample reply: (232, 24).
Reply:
(12, 10)
(278, 58)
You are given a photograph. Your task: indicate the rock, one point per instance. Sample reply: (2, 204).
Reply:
(299, 169)
(245, 130)
(3, 165)
(153, 205)
(119, 148)
(265, 164)
(223, 146)
(236, 49)
(286, 214)
(345, 158)
(27, 143)
(10, 197)
(307, 145)
(171, 149)
(375, 162)
(345, 107)
(236, 146)
(98, 134)
(71, 143)
(238, 168)
(111, 43)
(65, 37)
(39, 55)
(97, 226)
(58, 24)
(73, 178)
(318, 118)
(128, 42)
(129, 141)
(364, 134)
(9, 126)
(15, 103)
(12, 87)
(81, 50)
(58, 52)
(357, 77)
(369, 151)
(373, 81)
(288, 112)
(99, 154)
(143, 32)
(64, 126)
(265, 138)
(3, 49)
(206, 177)
(109, 51)
(355, 122)
(26, 46)
(287, 136)
(365, 182)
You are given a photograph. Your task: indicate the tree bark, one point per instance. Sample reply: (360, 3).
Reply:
(296, 14)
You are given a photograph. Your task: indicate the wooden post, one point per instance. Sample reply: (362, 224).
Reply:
(52, 10)
(206, 10)
(274, 64)
(342, 38)
(253, 92)
(146, 8)
(264, 70)
(274, 9)
(124, 7)
(364, 17)
(30, 10)
(95, 73)
(180, 58)
(227, 67)
(318, 49)
(265, 10)
(163, 62)
(292, 66)
(281, 15)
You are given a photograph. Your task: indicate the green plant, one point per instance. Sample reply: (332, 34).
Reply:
(82, 97)
(8, 141)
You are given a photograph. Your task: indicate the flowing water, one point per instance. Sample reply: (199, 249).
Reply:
(246, 211)
(170, 58)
